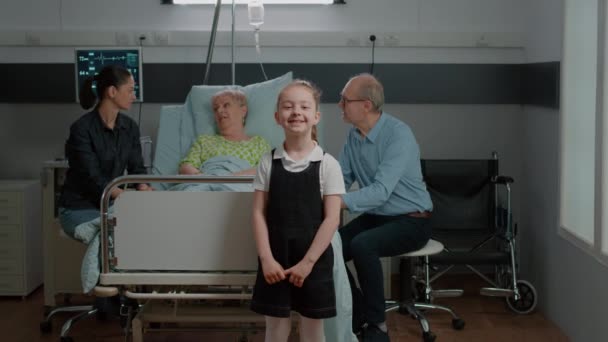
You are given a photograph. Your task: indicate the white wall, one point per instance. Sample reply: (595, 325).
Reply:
(420, 22)
(543, 36)
(357, 15)
(570, 283)
(432, 31)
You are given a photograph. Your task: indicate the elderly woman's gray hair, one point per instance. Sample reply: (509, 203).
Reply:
(236, 95)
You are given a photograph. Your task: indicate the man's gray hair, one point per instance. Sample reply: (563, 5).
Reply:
(371, 89)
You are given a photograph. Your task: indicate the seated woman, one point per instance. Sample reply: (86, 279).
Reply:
(102, 144)
(230, 111)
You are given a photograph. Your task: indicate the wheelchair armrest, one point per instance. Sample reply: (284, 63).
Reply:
(502, 180)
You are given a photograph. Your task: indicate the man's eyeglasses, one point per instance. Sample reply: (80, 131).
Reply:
(346, 100)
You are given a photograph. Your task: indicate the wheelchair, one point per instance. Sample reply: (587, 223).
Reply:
(473, 218)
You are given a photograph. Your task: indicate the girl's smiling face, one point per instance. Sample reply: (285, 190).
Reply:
(297, 110)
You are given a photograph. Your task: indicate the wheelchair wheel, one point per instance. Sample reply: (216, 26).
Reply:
(527, 301)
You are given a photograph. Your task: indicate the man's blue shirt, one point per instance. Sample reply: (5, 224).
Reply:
(386, 165)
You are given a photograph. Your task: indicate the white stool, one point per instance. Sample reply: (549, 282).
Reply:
(412, 308)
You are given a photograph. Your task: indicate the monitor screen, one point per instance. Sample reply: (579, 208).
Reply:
(89, 61)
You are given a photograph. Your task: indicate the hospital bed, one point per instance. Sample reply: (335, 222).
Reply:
(201, 238)
(181, 254)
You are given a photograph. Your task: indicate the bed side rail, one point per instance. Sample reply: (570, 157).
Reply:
(131, 179)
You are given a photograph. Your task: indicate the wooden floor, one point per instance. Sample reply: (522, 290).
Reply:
(487, 319)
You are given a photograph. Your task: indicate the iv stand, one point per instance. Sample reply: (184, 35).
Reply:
(216, 16)
(232, 41)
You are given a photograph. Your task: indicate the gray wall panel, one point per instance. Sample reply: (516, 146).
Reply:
(536, 83)
(37, 83)
(540, 85)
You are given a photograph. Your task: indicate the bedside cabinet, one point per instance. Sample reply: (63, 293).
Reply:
(20, 237)
(62, 254)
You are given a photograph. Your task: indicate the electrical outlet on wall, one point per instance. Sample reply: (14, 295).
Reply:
(143, 38)
(32, 39)
(371, 39)
(391, 40)
(482, 41)
(161, 38)
(122, 39)
(353, 41)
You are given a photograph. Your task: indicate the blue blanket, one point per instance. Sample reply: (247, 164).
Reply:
(88, 233)
(219, 166)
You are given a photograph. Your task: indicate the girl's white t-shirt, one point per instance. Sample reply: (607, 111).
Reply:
(330, 173)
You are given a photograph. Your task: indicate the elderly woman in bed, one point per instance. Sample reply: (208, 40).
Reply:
(230, 111)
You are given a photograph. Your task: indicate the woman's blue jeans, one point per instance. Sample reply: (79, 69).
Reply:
(71, 218)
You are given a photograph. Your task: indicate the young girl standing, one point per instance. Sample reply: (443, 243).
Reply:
(296, 211)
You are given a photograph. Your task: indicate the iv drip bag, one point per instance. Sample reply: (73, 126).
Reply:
(255, 10)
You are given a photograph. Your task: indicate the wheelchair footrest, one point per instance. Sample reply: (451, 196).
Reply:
(470, 258)
(447, 293)
(495, 292)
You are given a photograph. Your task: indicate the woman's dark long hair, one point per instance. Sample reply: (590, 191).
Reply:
(111, 75)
